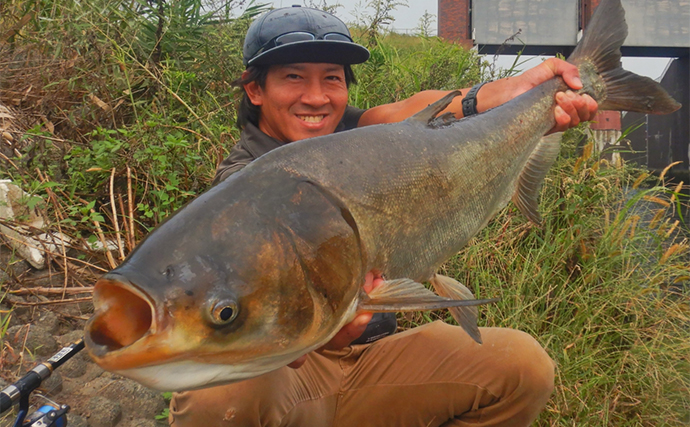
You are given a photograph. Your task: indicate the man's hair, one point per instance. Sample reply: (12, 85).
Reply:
(250, 113)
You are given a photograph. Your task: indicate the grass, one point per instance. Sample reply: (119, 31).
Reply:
(599, 287)
(115, 135)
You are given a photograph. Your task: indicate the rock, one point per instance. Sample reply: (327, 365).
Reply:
(83, 308)
(19, 267)
(49, 321)
(14, 301)
(15, 206)
(38, 342)
(104, 412)
(142, 422)
(137, 400)
(6, 312)
(70, 337)
(76, 366)
(53, 384)
(44, 279)
(93, 371)
(74, 420)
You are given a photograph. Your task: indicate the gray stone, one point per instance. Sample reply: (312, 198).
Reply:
(76, 366)
(37, 298)
(53, 384)
(104, 412)
(93, 371)
(19, 267)
(5, 313)
(137, 400)
(83, 308)
(142, 422)
(38, 342)
(74, 420)
(4, 277)
(49, 321)
(13, 301)
(45, 279)
(70, 337)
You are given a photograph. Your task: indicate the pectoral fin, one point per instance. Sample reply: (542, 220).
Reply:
(408, 295)
(465, 316)
(526, 197)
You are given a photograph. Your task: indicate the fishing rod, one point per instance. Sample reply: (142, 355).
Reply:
(20, 390)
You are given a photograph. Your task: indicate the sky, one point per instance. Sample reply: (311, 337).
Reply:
(407, 21)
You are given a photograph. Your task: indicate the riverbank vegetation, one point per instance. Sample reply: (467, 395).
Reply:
(116, 113)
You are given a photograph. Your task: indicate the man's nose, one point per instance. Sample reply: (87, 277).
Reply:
(315, 95)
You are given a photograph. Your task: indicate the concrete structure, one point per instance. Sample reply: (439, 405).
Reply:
(546, 27)
(659, 28)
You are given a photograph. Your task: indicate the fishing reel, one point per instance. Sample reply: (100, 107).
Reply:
(47, 416)
(53, 415)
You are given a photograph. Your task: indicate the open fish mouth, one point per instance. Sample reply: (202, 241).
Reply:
(123, 315)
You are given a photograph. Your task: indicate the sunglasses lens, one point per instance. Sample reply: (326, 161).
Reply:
(293, 38)
(337, 37)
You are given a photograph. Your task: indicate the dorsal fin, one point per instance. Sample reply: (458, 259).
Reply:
(526, 196)
(430, 112)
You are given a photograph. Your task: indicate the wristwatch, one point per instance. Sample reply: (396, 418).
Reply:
(469, 102)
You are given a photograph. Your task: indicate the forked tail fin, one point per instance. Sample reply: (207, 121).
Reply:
(598, 58)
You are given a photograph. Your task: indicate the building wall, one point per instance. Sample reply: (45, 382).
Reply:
(454, 21)
(653, 24)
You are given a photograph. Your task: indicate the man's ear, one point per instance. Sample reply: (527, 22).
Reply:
(253, 91)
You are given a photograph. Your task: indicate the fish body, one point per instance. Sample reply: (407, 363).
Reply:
(268, 265)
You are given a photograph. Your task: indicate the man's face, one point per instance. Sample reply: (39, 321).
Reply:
(300, 100)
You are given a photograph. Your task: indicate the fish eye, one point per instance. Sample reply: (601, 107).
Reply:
(224, 312)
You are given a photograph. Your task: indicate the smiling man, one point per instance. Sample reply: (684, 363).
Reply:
(296, 87)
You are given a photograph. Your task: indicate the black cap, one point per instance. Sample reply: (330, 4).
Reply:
(331, 42)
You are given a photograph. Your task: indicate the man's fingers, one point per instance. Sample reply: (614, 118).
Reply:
(568, 71)
(566, 113)
(592, 106)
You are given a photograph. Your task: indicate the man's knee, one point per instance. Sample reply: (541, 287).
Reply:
(509, 356)
(528, 364)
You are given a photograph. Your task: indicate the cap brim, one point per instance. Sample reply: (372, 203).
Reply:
(319, 51)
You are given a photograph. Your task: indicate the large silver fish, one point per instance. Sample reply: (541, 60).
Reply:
(268, 265)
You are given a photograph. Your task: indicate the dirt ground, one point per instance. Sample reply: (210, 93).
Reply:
(40, 312)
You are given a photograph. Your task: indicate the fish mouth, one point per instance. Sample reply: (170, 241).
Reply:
(123, 316)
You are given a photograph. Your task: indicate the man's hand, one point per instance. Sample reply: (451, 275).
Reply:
(352, 330)
(571, 108)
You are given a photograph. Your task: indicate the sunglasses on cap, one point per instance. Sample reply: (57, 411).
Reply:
(301, 36)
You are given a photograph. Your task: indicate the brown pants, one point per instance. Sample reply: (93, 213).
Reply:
(433, 375)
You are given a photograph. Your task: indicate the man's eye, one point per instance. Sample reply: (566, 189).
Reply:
(293, 76)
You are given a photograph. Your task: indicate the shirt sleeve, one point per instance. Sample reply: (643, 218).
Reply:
(239, 158)
(350, 118)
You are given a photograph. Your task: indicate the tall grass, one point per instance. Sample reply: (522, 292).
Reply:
(598, 286)
(123, 112)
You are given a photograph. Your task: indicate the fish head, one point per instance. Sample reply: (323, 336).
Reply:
(206, 302)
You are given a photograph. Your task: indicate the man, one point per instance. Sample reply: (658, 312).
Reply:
(296, 87)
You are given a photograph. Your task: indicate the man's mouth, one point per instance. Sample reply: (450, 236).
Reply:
(312, 119)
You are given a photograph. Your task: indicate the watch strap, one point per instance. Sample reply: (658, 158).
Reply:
(469, 102)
